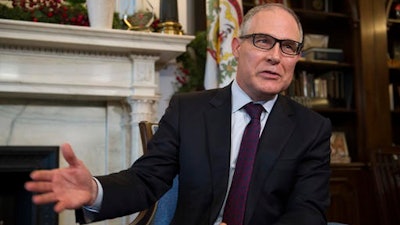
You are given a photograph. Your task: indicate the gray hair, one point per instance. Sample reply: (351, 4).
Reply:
(253, 11)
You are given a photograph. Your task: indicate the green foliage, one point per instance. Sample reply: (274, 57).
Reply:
(14, 13)
(118, 23)
(192, 63)
(76, 1)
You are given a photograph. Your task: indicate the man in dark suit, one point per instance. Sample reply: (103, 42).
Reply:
(199, 138)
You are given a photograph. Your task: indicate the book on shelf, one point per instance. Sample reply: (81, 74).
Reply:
(330, 89)
(339, 88)
(394, 96)
(323, 55)
(391, 101)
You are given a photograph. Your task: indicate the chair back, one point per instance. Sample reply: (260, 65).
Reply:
(146, 130)
(385, 163)
(162, 211)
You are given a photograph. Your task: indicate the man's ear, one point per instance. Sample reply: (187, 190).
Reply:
(235, 46)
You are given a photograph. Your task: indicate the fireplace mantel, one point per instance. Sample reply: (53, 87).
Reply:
(68, 37)
(88, 87)
(63, 60)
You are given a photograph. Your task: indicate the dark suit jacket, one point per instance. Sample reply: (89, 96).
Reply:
(290, 179)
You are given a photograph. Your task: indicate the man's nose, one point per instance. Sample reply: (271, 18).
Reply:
(273, 55)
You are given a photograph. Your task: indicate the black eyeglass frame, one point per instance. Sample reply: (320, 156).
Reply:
(253, 36)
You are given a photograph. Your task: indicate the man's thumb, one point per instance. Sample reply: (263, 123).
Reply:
(69, 155)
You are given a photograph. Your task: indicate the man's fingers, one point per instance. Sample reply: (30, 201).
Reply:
(59, 207)
(45, 198)
(42, 175)
(36, 186)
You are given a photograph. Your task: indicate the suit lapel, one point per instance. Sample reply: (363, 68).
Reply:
(218, 128)
(270, 146)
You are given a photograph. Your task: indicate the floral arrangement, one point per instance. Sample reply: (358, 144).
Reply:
(191, 65)
(72, 12)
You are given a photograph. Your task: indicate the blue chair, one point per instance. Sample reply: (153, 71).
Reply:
(166, 206)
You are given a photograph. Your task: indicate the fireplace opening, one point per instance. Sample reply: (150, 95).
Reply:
(16, 163)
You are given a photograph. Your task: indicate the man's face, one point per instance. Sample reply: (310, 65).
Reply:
(264, 73)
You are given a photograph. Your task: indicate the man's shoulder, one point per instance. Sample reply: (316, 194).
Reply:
(203, 95)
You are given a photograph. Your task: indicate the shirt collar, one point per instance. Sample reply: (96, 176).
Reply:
(240, 98)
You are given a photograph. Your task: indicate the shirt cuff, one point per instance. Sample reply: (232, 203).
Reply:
(89, 211)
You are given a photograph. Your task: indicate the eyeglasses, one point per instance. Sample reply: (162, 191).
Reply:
(267, 42)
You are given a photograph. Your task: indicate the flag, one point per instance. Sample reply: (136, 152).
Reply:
(223, 20)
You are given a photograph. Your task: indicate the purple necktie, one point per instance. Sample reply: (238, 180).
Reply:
(236, 201)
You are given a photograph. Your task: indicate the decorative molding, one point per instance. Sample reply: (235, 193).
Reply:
(58, 52)
(142, 108)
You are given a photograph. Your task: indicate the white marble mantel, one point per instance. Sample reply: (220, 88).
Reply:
(85, 86)
(147, 53)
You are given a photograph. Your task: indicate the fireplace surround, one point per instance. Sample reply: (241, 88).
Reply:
(85, 86)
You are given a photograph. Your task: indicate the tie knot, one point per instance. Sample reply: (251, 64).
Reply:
(254, 110)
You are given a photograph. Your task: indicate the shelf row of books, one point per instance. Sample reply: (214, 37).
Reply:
(330, 89)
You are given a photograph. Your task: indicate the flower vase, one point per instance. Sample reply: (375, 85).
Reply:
(142, 18)
(101, 13)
